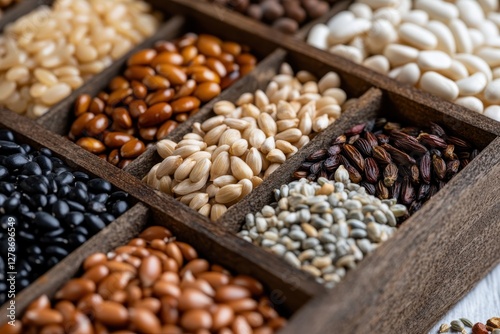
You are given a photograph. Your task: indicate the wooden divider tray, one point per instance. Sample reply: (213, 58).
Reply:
(405, 286)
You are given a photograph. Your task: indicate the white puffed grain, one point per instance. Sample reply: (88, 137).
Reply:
(439, 85)
(471, 102)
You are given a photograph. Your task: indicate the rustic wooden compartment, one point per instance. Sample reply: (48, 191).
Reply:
(405, 286)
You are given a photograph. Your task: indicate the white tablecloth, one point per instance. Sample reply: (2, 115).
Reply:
(482, 303)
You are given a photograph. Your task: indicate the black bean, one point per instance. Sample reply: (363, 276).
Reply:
(36, 260)
(12, 204)
(80, 176)
(55, 233)
(107, 217)
(46, 221)
(8, 148)
(101, 198)
(16, 161)
(52, 261)
(39, 201)
(56, 251)
(64, 178)
(76, 239)
(26, 148)
(75, 206)
(4, 172)
(73, 219)
(119, 208)
(63, 191)
(44, 162)
(32, 168)
(57, 241)
(7, 188)
(118, 195)
(45, 151)
(81, 230)
(81, 185)
(78, 195)
(93, 223)
(26, 236)
(52, 198)
(3, 198)
(6, 135)
(60, 209)
(34, 250)
(96, 207)
(99, 186)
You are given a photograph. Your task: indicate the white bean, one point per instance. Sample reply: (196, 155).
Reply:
(417, 36)
(399, 54)
(416, 16)
(349, 52)
(378, 63)
(492, 92)
(409, 74)
(446, 41)
(474, 64)
(361, 10)
(461, 35)
(433, 60)
(470, 12)
(490, 55)
(439, 85)
(438, 10)
(456, 71)
(318, 37)
(471, 102)
(493, 112)
(348, 31)
(472, 85)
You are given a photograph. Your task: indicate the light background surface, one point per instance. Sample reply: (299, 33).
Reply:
(482, 303)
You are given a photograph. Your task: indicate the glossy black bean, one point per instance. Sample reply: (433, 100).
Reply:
(64, 178)
(33, 186)
(117, 195)
(74, 218)
(40, 201)
(4, 172)
(34, 250)
(99, 186)
(75, 206)
(55, 233)
(52, 198)
(44, 162)
(52, 261)
(119, 208)
(82, 230)
(63, 191)
(93, 223)
(2, 266)
(107, 217)
(45, 151)
(22, 283)
(12, 204)
(78, 195)
(81, 185)
(80, 176)
(32, 168)
(6, 135)
(96, 207)
(60, 209)
(54, 241)
(26, 148)
(101, 198)
(25, 212)
(76, 239)
(36, 260)
(57, 162)
(7, 188)
(8, 148)
(16, 161)
(56, 251)
(23, 267)
(46, 221)
(3, 198)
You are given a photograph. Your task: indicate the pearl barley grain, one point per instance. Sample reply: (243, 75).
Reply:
(51, 51)
(434, 45)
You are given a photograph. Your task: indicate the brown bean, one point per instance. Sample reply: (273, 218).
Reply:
(217, 66)
(169, 313)
(132, 149)
(67, 310)
(200, 59)
(229, 80)
(156, 114)
(167, 57)
(156, 82)
(209, 45)
(162, 289)
(254, 319)
(151, 304)
(111, 314)
(246, 59)
(97, 106)
(229, 293)
(150, 270)
(114, 157)
(205, 75)
(97, 125)
(166, 129)
(231, 48)
(42, 317)
(243, 305)
(144, 321)
(96, 273)
(316, 9)
(41, 302)
(148, 133)
(206, 91)
(81, 324)
(162, 95)
(272, 10)
(263, 330)
(122, 118)
(255, 12)
(91, 144)
(116, 139)
(188, 252)
(143, 57)
(245, 69)
(80, 123)
(103, 96)
(189, 53)
(52, 329)
(89, 302)
(193, 299)
(277, 323)
(162, 46)
(117, 266)
(222, 316)
(249, 283)
(173, 73)
(286, 25)
(186, 89)
(118, 96)
(119, 82)
(187, 40)
(194, 320)
(294, 11)
(185, 104)
(241, 326)
(94, 260)
(114, 282)
(226, 58)
(138, 72)
(82, 104)
(139, 89)
(75, 289)
(137, 107)
(171, 329)
(195, 266)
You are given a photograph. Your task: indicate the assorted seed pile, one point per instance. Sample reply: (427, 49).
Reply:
(408, 164)
(160, 88)
(324, 227)
(284, 15)
(55, 209)
(230, 154)
(6, 4)
(51, 51)
(448, 48)
(459, 326)
(153, 285)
